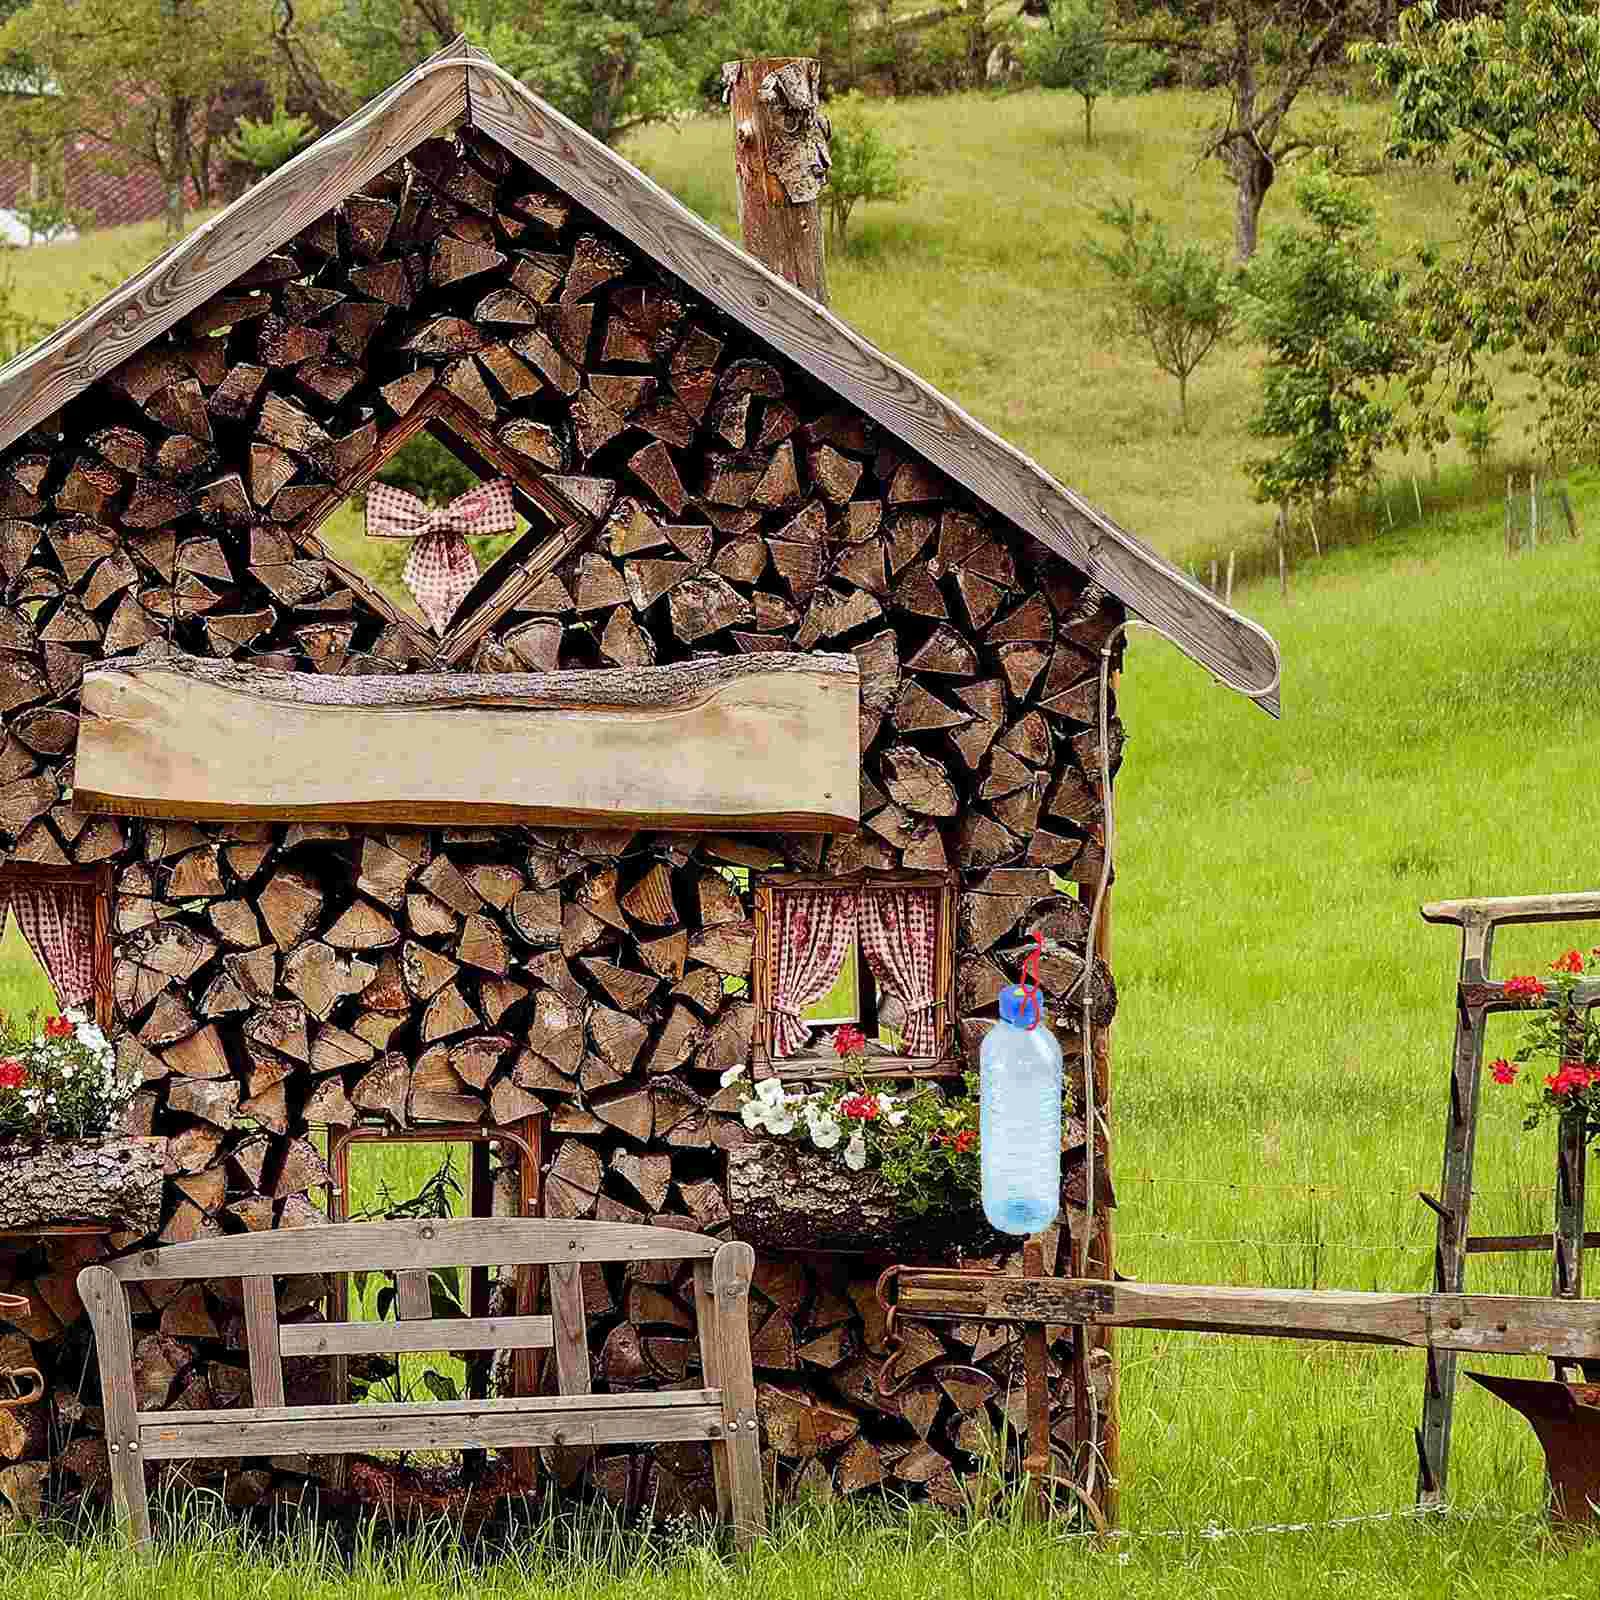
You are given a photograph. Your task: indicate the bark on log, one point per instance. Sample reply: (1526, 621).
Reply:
(781, 1197)
(90, 1180)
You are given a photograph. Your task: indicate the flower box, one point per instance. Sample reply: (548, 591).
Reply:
(784, 1196)
(113, 1180)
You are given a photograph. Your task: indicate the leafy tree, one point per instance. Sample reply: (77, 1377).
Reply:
(140, 76)
(1263, 55)
(1078, 52)
(266, 143)
(610, 65)
(1512, 105)
(865, 165)
(1335, 340)
(1174, 301)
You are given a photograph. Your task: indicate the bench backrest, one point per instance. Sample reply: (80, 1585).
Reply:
(411, 1250)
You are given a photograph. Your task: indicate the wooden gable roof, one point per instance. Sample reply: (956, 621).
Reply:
(462, 82)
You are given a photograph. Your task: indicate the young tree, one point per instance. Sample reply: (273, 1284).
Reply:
(1335, 343)
(139, 76)
(1076, 51)
(1174, 301)
(1510, 102)
(865, 165)
(1264, 55)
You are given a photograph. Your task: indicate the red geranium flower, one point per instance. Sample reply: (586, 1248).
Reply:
(12, 1073)
(849, 1040)
(1524, 988)
(58, 1028)
(1572, 1077)
(1503, 1071)
(1570, 962)
(861, 1107)
(965, 1140)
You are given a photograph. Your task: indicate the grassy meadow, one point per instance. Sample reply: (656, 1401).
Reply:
(1280, 1057)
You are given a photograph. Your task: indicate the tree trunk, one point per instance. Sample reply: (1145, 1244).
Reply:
(1183, 401)
(1252, 171)
(781, 157)
(178, 156)
(1088, 121)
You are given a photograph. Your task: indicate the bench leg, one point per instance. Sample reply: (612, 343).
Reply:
(731, 1270)
(106, 1301)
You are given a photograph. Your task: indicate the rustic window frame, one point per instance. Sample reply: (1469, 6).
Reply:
(99, 880)
(821, 1066)
(564, 526)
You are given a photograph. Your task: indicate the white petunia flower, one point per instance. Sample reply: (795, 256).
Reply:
(855, 1153)
(732, 1076)
(754, 1114)
(781, 1121)
(825, 1133)
(770, 1092)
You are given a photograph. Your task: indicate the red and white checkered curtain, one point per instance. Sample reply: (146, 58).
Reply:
(57, 920)
(897, 939)
(815, 930)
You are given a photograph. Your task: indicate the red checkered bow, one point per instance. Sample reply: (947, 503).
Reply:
(440, 570)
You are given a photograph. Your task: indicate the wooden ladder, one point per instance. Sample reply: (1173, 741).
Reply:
(1477, 997)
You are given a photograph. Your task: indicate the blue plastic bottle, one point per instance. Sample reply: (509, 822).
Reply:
(1019, 1118)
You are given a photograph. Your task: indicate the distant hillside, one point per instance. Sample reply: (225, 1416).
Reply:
(981, 282)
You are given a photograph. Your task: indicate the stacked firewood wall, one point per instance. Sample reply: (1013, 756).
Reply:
(271, 977)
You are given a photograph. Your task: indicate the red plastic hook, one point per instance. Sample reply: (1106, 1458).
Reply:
(1032, 989)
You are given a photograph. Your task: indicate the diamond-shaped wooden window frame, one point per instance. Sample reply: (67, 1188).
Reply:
(555, 525)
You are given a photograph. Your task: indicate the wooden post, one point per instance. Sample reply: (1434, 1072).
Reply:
(1533, 512)
(780, 139)
(1511, 535)
(1566, 511)
(1228, 597)
(1111, 1422)
(1036, 1464)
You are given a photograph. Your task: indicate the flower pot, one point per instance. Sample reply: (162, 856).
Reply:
(114, 1180)
(785, 1196)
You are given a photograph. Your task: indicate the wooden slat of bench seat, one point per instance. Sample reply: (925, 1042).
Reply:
(448, 1426)
(438, 1333)
(394, 1246)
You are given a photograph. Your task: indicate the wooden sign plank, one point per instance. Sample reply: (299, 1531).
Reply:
(760, 742)
(1485, 1324)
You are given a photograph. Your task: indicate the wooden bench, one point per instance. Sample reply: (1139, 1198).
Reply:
(723, 1412)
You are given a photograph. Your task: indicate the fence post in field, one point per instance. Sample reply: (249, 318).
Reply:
(1417, 492)
(1511, 528)
(1533, 511)
(780, 144)
(1311, 517)
(1567, 512)
(1213, 584)
(1228, 598)
(1281, 528)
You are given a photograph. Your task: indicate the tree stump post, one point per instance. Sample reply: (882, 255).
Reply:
(780, 138)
